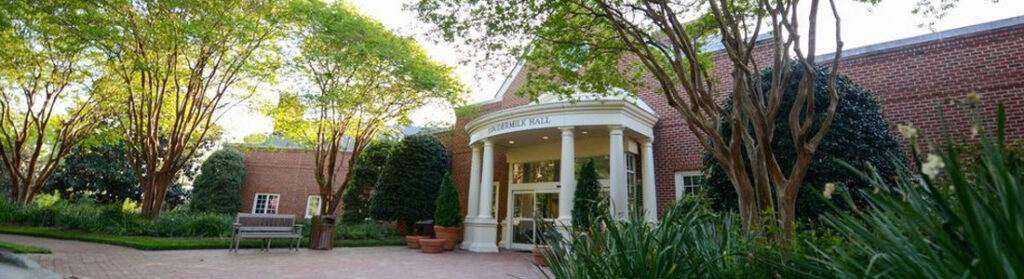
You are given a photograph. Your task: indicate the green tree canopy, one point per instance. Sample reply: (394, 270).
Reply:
(357, 78)
(218, 188)
(356, 201)
(408, 187)
(175, 65)
(46, 93)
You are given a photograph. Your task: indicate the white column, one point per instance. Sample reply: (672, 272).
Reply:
(482, 233)
(486, 182)
(617, 175)
(567, 192)
(650, 196)
(473, 204)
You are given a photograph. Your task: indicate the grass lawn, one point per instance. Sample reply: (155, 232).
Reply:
(23, 249)
(174, 243)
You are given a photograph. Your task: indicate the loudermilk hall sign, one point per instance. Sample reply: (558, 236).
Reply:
(518, 123)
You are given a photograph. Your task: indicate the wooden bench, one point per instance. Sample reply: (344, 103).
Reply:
(266, 227)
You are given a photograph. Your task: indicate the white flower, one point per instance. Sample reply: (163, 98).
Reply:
(829, 188)
(908, 131)
(932, 165)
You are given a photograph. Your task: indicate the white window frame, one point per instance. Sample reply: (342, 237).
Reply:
(256, 200)
(631, 179)
(682, 188)
(309, 199)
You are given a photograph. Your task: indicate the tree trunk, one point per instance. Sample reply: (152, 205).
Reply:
(153, 195)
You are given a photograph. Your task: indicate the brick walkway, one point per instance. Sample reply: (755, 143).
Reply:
(98, 261)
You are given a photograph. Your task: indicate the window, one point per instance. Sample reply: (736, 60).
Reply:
(265, 203)
(549, 171)
(601, 164)
(494, 200)
(633, 192)
(688, 182)
(312, 206)
(534, 172)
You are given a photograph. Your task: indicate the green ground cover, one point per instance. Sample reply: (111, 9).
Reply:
(18, 248)
(174, 243)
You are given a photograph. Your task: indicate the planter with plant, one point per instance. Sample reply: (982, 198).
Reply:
(447, 217)
(413, 241)
(432, 245)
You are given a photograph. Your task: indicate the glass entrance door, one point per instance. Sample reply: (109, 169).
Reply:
(529, 207)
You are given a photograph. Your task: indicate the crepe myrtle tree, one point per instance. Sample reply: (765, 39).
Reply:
(177, 63)
(46, 104)
(600, 45)
(362, 79)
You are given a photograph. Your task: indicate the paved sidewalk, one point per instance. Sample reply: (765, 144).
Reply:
(93, 260)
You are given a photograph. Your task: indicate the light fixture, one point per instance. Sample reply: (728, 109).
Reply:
(511, 142)
(585, 132)
(544, 137)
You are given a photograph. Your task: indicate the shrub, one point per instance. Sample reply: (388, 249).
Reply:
(363, 231)
(218, 187)
(408, 186)
(952, 222)
(859, 134)
(114, 219)
(447, 213)
(587, 196)
(691, 241)
(356, 200)
(100, 172)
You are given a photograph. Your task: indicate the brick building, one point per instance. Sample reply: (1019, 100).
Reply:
(515, 160)
(281, 181)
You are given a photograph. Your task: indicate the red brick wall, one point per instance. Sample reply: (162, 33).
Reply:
(913, 83)
(288, 173)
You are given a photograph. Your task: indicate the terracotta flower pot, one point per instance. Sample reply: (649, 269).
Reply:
(538, 255)
(449, 234)
(432, 245)
(413, 241)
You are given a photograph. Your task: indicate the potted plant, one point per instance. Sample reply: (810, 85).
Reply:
(432, 245)
(447, 215)
(413, 241)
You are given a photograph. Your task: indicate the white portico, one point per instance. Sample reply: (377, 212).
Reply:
(544, 144)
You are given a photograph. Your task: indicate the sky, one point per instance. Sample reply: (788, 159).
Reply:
(862, 24)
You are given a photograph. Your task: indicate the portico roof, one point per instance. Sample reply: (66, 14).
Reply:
(552, 112)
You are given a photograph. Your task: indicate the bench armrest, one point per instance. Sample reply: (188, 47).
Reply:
(297, 228)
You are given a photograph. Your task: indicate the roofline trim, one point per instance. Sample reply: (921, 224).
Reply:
(935, 36)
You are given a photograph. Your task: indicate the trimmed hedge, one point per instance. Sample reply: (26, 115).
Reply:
(859, 135)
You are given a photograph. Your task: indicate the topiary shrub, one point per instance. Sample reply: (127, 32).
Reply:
(408, 186)
(586, 198)
(356, 200)
(218, 188)
(860, 135)
(447, 213)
